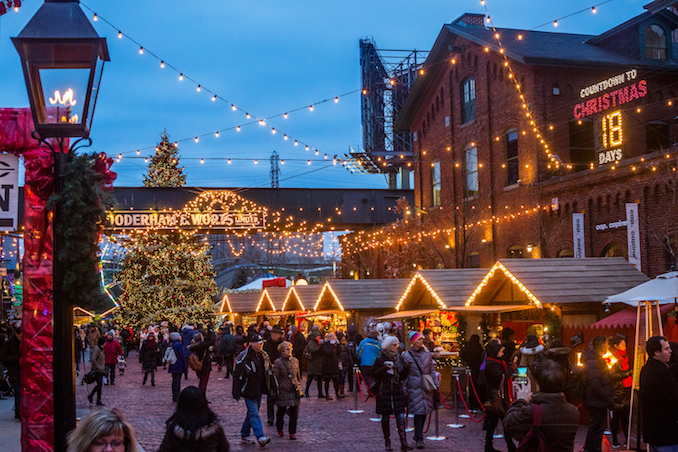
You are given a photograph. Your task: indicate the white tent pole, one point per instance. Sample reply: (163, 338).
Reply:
(659, 319)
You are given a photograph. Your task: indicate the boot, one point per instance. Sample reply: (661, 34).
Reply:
(386, 429)
(145, 378)
(341, 394)
(400, 423)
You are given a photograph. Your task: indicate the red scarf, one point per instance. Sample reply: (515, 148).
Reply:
(509, 381)
(623, 362)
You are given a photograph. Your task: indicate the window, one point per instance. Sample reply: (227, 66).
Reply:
(435, 183)
(473, 260)
(512, 163)
(515, 252)
(471, 171)
(655, 43)
(615, 250)
(657, 136)
(468, 99)
(565, 253)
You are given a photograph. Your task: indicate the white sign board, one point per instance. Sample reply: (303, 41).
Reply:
(578, 235)
(633, 234)
(9, 192)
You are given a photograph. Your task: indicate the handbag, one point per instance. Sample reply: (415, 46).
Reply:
(497, 405)
(194, 363)
(428, 383)
(90, 377)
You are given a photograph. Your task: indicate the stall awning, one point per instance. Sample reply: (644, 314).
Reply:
(282, 313)
(627, 317)
(406, 314)
(326, 312)
(490, 308)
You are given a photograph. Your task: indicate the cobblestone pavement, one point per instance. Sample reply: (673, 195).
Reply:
(323, 425)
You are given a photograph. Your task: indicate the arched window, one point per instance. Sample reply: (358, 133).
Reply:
(514, 252)
(473, 260)
(468, 100)
(655, 43)
(567, 252)
(615, 250)
(512, 162)
(471, 186)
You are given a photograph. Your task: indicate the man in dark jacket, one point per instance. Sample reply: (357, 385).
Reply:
(598, 392)
(559, 419)
(659, 398)
(271, 349)
(10, 356)
(252, 378)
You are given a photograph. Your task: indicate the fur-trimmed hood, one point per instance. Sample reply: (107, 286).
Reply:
(203, 434)
(532, 350)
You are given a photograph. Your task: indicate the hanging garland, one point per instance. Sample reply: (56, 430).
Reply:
(87, 182)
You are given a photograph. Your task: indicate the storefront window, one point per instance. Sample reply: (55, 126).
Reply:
(615, 250)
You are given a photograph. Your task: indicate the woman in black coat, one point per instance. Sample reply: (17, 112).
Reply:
(387, 374)
(149, 357)
(495, 369)
(330, 364)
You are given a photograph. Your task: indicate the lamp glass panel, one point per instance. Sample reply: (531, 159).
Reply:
(64, 94)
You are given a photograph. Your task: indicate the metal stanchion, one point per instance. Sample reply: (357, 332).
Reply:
(356, 391)
(457, 385)
(437, 437)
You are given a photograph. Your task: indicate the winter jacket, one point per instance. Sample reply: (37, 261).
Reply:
(299, 344)
(345, 356)
(620, 376)
(391, 397)
(559, 420)
(271, 348)
(252, 374)
(229, 345)
(187, 335)
(149, 355)
(494, 370)
(93, 337)
(209, 438)
(97, 359)
(418, 400)
(598, 389)
(179, 367)
(239, 344)
(658, 402)
(368, 351)
(202, 349)
(315, 364)
(112, 349)
(10, 356)
(330, 360)
(286, 372)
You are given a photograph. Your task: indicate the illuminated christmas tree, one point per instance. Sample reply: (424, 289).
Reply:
(164, 170)
(165, 276)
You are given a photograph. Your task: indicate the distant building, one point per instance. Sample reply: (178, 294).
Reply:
(514, 131)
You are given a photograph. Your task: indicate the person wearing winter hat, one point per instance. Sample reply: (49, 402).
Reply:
(418, 362)
(526, 355)
(148, 356)
(112, 349)
(179, 366)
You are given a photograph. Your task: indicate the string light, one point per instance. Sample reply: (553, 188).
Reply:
(141, 50)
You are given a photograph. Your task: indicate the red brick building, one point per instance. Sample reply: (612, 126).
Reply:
(517, 130)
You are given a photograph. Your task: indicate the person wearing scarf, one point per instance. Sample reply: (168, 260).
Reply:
(495, 368)
(620, 375)
(388, 373)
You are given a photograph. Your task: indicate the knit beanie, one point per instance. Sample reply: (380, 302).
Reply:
(414, 335)
(175, 336)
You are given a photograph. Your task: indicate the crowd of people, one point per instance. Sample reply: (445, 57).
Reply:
(268, 361)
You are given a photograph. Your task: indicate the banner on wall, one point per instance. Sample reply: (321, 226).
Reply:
(9, 192)
(633, 234)
(578, 235)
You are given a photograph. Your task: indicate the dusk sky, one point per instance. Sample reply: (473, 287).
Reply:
(267, 58)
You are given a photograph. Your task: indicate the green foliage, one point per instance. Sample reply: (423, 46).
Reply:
(165, 276)
(553, 323)
(83, 211)
(164, 170)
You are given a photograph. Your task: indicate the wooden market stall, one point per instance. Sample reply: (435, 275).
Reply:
(241, 307)
(304, 297)
(286, 305)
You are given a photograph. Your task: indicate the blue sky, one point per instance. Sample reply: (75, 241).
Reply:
(267, 57)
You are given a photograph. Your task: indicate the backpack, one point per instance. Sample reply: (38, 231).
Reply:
(576, 383)
(352, 350)
(535, 439)
(170, 356)
(228, 345)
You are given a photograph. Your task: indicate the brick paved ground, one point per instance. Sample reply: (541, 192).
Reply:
(323, 425)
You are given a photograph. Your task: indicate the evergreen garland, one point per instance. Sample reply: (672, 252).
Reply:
(83, 212)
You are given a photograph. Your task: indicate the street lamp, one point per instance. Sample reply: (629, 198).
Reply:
(62, 58)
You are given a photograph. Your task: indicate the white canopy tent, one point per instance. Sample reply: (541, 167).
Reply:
(646, 297)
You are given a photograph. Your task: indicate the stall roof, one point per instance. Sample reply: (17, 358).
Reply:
(550, 281)
(360, 294)
(627, 317)
(440, 288)
(293, 301)
(265, 304)
(244, 303)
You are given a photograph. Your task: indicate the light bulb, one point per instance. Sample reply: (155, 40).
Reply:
(310, 107)
(120, 35)
(336, 99)
(202, 161)
(198, 88)
(238, 128)
(555, 23)
(181, 76)
(196, 139)
(256, 161)
(285, 116)
(593, 9)
(217, 134)
(138, 152)
(309, 162)
(141, 50)
(214, 98)
(162, 64)
(307, 147)
(95, 18)
(247, 115)
(229, 161)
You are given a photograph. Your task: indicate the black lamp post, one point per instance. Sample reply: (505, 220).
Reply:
(62, 58)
